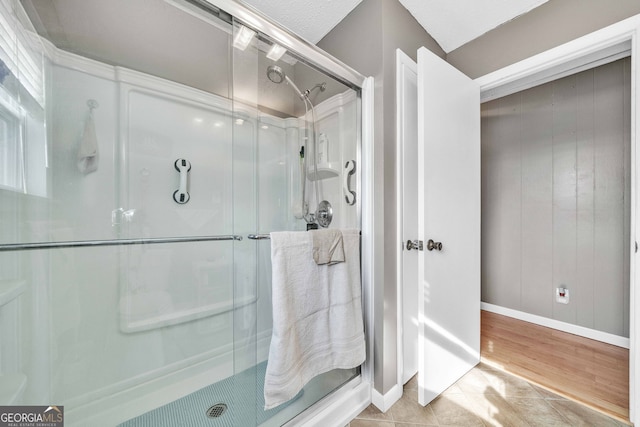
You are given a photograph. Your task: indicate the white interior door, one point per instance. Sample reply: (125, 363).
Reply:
(407, 92)
(449, 213)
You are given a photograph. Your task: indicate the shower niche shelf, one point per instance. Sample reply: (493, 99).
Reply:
(11, 388)
(325, 168)
(10, 290)
(325, 171)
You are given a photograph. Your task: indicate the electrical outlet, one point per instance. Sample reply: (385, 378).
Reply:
(562, 295)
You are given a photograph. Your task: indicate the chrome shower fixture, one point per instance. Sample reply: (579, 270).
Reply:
(324, 212)
(322, 86)
(277, 75)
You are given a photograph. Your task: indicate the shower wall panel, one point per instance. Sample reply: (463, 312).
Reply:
(83, 283)
(181, 282)
(143, 316)
(335, 118)
(276, 192)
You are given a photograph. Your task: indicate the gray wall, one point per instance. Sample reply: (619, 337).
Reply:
(555, 199)
(366, 40)
(552, 24)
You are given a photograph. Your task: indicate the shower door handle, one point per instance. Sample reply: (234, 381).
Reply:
(181, 195)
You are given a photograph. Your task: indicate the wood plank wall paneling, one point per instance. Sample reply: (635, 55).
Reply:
(555, 199)
(609, 195)
(536, 208)
(564, 236)
(585, 199)
(593, 373)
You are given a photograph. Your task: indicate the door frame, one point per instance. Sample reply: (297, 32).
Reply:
(402, 60)
(606, 45)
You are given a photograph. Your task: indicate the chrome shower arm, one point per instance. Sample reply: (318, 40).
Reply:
(321, 86)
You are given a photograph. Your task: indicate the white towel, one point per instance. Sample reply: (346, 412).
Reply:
(327, 246)
(88, 147)
(317, 314)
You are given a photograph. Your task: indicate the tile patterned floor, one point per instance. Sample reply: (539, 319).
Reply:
(485, 397)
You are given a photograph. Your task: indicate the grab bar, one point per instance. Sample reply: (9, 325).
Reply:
(115, 242)
(258, 236)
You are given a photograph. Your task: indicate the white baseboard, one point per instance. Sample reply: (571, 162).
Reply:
(385, 401)
(561, 326)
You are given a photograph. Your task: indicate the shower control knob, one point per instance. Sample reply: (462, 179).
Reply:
(324, 214)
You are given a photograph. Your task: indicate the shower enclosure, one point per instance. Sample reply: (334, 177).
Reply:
(145, 155)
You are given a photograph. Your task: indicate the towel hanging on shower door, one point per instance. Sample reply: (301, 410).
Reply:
(317, 314)
(88, 155)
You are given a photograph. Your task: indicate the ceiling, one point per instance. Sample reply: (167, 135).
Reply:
(451, 23)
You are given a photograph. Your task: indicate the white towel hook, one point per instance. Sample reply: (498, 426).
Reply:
(92, 104)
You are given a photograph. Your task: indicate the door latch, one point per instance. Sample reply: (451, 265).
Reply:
(415, 244)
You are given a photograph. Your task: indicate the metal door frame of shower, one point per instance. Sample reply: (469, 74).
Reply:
(339, 402)
(290, 41)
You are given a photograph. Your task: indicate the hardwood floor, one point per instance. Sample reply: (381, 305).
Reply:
(593, 373)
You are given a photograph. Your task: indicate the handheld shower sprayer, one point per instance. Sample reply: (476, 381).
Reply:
(277, 75)
(323, 214)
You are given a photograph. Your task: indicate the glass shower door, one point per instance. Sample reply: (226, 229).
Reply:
(139, 163)
(277, 187)
(127, 304)
(245, 366)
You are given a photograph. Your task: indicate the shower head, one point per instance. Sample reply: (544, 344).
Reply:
(277, 75)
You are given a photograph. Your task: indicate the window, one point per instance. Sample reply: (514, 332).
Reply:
(23, 156)
(11, 152)
(17, 53)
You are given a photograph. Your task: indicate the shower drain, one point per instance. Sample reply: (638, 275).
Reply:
(216, 410)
